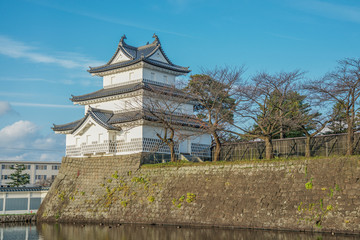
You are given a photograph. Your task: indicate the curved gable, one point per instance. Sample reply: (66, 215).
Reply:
(159, 56)
(120, 57)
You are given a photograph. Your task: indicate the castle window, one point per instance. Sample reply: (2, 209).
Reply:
(101, 138)
(152, 76)
(112, 80)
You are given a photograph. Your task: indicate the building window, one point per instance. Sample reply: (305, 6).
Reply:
(53, 177)
(4, 177)
(55, 167)
(41, 167)
(101, 138)
(7, 166)
(28, 166)
(40, 177)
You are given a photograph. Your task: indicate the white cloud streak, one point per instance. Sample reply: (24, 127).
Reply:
(87, 82)
(329, 10)
(16, 49)
(45, 105)
(114, 20)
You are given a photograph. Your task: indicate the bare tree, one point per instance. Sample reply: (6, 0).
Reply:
(311, 122)
(342, 86)
(267, 106)
(167, 108)
(216, 93)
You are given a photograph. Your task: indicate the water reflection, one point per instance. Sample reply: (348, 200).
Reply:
(17, 231)
(130, 232)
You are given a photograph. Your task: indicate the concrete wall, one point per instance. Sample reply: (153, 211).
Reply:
(317, 194)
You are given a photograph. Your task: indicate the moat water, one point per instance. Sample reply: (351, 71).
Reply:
(138, 232)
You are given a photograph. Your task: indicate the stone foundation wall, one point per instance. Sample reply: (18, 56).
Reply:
(25, 218)
(311, 195)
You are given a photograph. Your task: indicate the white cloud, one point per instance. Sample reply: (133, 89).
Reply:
(16, 49)
(22, 141)
(18, 130)
(5, 108)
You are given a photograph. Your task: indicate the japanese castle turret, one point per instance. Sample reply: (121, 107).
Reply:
(118, 118)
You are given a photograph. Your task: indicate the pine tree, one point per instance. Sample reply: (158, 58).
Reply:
(18, 177)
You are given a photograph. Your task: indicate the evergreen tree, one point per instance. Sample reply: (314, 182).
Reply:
(338, 125)
(18, 177)
(216, 93)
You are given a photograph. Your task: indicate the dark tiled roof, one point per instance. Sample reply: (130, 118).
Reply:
(107, 92)
(107, 120)
(100, 116)
(68, 126)
(154, 117)
(138, 54)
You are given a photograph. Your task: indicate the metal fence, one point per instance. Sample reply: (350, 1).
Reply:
(324, 145)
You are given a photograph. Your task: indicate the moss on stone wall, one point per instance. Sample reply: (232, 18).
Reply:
(253, 194)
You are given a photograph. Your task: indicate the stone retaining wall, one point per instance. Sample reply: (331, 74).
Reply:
(310, 195)
(17, 218)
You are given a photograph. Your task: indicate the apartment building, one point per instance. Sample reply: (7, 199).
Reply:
(41, 173)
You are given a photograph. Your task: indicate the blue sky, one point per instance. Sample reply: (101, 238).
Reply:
(47, 46)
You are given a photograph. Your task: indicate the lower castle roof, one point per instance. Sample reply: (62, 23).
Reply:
(108, 119)
(107, 92)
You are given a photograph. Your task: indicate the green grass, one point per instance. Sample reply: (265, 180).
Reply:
(183, 163)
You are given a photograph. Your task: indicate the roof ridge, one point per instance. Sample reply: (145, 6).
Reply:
(99, 120)
(54, 125)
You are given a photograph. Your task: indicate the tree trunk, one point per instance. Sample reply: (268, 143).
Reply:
(172, 151)
(217, 148)
(350, 131)
(307, 146)
(268, 148)
(350, 141)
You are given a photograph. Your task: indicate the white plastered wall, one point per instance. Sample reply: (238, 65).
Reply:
(122, 77)
(158, 76)
(93, 133)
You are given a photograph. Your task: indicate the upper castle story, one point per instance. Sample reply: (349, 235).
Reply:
(130, 64)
